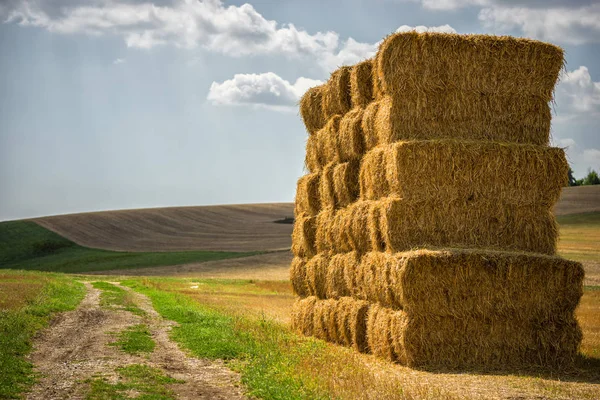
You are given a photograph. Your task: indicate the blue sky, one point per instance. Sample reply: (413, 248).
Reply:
(111, 105)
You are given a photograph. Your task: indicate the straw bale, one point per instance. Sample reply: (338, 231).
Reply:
(341, 274)
(313, 160)
(307, 195)
(361, 83)
(368, 125)
(336, 97)
(345, 183)
(351, 140)
(342, 321)
(405, 225)
(311, 109)
(352, 230)
(373, 177)
(327, 188)
(303, 236)
(411, 63)
(470, 170)
(479, 342)
(379, 332)
(322, 147)
(395, 225)
(325, 325)
(303, 312)
(377, 84)
(298, 277)
(316, 275)
(460, 282)
(324, 230)
(395, 121)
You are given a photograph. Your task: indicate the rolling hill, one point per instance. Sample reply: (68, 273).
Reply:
(247, 227)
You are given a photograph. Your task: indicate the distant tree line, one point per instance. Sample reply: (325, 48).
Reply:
(590, 179)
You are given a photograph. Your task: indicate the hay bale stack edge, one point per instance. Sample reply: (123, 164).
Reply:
(424, 231)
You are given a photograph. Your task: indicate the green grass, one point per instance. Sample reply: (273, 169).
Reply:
(18, 326)
(148, 383)
(267, 355)
(136, 339)
(26, 245)
(114, 296)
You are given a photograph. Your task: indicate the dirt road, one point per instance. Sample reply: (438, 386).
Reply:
(76, 349)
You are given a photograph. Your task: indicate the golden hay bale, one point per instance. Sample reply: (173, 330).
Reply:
(352, 319)
(311, 109)
(372, 176)
(322, 146)
(486, 283)
(361, 83)
(379, 332)
(342, 321)
(324, 230)
(316, 275)
(345, 183)
(327, 188)
(513, 121)
(374, 279)
(303, 312)
(298, 277)
(303, 236)
(325, 325)
(394, 224)
(341, 267)
(411, 63)
(377, 84)
(307, 195)
(336, 96)
(485, 223)
(368, 125)
(460, 282)
(351, 140)
(469, 170)
(313, 160)
(489, 342)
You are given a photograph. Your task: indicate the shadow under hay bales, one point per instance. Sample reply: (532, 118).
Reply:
(585, 370)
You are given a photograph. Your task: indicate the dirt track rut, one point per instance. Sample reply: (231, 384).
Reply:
(75, 347)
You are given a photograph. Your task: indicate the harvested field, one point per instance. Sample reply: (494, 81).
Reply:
(221, 228)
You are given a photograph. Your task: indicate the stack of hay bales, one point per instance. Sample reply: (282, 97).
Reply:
(424, 230)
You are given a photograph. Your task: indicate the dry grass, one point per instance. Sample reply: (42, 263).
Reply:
(17, 290)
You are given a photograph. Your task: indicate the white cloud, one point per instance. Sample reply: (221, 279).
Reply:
(118, 61)
(577, 95)
(235, 31)
(263, 90)
(561, 24)
(232, 30)
(562, 21)
(420, 29)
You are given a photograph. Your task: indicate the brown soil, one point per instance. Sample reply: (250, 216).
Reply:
(248, 227)
(578, 199)
(76, 347)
